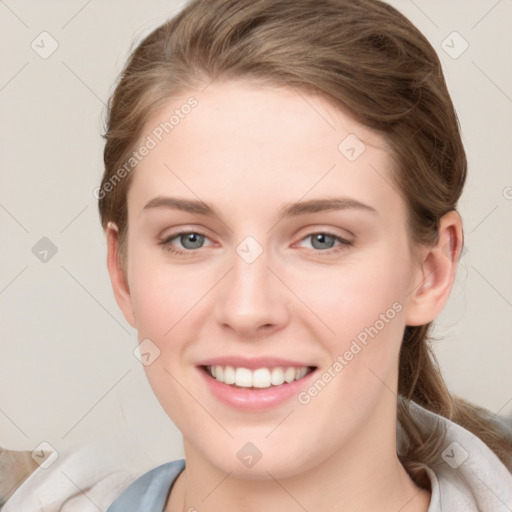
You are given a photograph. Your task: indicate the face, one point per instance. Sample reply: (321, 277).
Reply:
(266, 232)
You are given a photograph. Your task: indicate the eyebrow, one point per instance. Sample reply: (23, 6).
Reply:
(288, 210)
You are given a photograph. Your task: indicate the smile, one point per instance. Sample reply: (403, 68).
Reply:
(255, 384)
(260, 378)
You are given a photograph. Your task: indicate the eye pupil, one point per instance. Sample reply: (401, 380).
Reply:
(322, 238)
(191, 241)
(194, 238)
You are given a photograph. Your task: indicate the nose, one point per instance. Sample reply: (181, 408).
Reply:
(252, 301)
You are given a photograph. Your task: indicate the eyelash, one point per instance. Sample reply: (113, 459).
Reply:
(165, 243)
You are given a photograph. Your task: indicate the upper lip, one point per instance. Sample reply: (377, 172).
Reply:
(253, 363)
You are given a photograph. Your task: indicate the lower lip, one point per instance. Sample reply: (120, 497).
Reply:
(254, 399)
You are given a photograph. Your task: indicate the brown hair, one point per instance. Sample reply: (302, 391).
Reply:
(372, 62)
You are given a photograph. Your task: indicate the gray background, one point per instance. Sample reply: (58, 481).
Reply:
(67, 371)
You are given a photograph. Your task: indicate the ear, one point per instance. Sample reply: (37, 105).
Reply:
(435, 274)
(118, 277)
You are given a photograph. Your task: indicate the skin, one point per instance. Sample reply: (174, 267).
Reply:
(248, 150)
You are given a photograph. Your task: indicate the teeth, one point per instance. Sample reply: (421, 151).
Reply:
(229, 375)
(260, 378)
(243, 377)
(277, 376)
(289, 374)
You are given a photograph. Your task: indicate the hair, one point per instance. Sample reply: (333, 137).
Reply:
(374, 64)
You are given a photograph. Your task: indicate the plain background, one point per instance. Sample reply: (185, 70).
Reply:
(67, 368)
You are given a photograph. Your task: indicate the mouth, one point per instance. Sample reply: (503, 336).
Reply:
(258, 379)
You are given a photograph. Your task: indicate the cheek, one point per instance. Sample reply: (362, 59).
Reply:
(361, 308)
(354, 298)
(162, 295)
(364, 311)
(164, 299)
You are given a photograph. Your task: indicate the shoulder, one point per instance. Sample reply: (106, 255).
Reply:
(58, 477)
(468, 476)
(149, 491)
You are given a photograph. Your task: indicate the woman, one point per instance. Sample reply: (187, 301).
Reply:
(279, 198)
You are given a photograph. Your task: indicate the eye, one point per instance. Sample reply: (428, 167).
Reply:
(323, 241)
(191, 241)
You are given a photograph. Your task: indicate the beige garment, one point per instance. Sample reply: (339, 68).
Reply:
(15, 468)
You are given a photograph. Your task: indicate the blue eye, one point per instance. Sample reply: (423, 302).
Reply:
(195, 239)
(192, 241)
(323, 238)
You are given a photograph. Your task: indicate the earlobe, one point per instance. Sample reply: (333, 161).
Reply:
(436, 273)
(118, 276)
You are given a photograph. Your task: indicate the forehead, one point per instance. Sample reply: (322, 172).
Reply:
(226, 107)
(248, 142)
